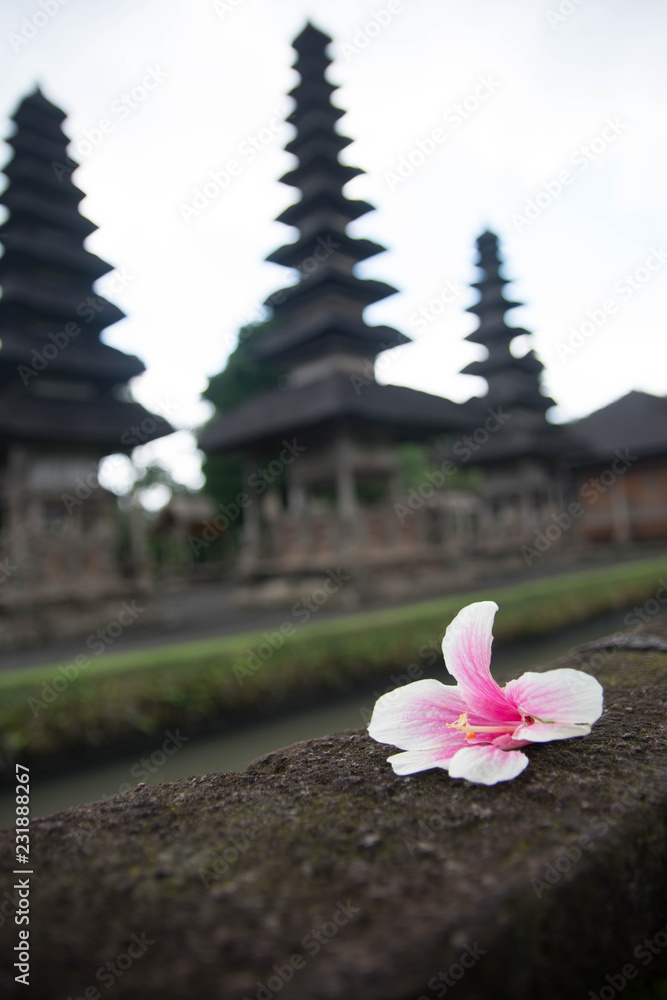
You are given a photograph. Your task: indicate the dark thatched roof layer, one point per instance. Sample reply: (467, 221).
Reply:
(408, 412)
(57, 380)
(103, 421)
(637, 421)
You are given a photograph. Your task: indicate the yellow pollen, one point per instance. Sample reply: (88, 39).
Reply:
(460, 723)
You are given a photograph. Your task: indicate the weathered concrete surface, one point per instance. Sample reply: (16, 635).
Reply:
(542, 886)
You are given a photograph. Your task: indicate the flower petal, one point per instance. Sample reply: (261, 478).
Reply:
(543, 732)
(413, 761)
(415, 716)
(467, 651)
(487, 764)
(506, 742)
(565, 696)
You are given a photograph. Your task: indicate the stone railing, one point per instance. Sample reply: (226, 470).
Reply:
(321, 875)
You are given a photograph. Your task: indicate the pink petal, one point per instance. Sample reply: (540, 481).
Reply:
(487, 764)
(565, 696)
(415, 717)
(413, 761)
(543, 732)
(507, 742)
(467, 651)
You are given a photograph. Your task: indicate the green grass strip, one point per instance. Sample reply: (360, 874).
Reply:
(45, 710)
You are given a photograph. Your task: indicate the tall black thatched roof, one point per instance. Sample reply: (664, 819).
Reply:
(58, 381)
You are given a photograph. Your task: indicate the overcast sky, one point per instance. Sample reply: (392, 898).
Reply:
(541, 119)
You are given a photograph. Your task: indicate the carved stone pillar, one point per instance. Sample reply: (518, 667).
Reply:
(252, 525)
(346, 498)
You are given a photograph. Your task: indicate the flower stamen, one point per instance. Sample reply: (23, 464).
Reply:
(461, 723)
(471, 732)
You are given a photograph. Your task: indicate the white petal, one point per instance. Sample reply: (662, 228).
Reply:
(415, 717)
(564, 696)
(487, 764)
(544, 732)
(413, 761)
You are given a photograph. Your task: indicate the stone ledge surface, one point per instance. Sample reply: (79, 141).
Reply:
(320, 874)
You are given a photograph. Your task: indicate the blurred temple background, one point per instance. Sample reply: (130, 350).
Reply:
(310, 462)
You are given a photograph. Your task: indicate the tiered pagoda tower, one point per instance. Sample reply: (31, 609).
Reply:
(347, 423)
(521, 454)
(513, 382)
(64, 403)
(321, 317)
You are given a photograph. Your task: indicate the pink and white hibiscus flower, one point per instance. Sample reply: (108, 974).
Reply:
(474, 729)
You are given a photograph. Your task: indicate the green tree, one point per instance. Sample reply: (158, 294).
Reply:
(416, 462)
(242, 378)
